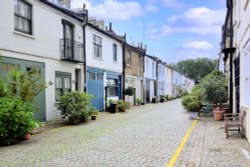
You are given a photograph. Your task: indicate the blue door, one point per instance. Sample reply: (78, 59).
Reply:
(95, 87)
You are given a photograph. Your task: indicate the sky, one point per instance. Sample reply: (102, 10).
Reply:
(173, 30)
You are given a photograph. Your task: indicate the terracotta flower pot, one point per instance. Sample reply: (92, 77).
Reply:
(218, 114)
(27, 136)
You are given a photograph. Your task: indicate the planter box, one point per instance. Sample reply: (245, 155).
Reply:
(112, 107)
(193, 115)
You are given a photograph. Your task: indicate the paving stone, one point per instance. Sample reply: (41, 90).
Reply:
(144, 136)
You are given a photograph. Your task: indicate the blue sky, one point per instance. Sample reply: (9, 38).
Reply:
(173, 30)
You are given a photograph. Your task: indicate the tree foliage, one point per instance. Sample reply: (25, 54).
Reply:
(196, 68)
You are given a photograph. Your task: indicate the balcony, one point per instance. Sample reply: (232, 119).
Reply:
(71, 50)
(227, 40)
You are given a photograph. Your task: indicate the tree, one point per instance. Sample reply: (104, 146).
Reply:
(196, 68)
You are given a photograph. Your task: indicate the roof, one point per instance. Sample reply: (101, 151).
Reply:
(116, 37)
(137, 49)
(64, 10)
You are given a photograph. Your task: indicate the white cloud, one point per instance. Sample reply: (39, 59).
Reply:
(112, 9)
(200, 16)
(173, 4)
(198, 21)
(151, 8)
(199, 45)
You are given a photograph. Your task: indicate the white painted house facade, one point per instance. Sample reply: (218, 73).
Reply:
(161, 78)
(169, 81)
(104, 61)
(150, 78)
(241, 81)
(41, 35)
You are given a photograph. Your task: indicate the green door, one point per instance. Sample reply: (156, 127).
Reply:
(8, 64)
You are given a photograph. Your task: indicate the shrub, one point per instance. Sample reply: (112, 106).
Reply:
(94, 112)
(194, 105)
(75, 105)
(167, 97)
(16, 119)
(129, 91)
(138, 101)
(26, 85)
(186, 100)
(215, 88)
(122, 105)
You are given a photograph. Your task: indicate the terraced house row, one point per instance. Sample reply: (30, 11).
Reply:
(78, 53)
(235, 57)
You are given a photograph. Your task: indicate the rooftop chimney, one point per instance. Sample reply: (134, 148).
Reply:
(92, 20)
(101, 24)
(110, 27)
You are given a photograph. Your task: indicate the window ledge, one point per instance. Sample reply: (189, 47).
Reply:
(97, 58)
(23, 34)
(115, 62)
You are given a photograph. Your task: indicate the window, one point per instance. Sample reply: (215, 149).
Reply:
(128, 60)
(23, 17)
(95, 76)
(92, 76)
(97, 47)
(112, 87)
(7, 67)
(99, 76)
(68, 37)
(114, 52)
(63, 84)
(246, 75)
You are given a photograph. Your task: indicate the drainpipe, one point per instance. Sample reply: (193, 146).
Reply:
(84, 42)
(123, 67)
(157, 78)
(231, 58)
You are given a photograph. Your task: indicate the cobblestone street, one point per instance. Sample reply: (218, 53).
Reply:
(144, 136)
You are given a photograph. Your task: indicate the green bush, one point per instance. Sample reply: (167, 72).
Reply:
(167, 97)
(194, 105)
(214, 88)
(26, 85)
(122, 105)
(138, 101)
(16, 119)
(185, 100)
(129, 91)
(75, 105)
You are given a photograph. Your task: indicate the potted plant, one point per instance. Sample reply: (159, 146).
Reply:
(112, 106)
(162, 98)
(75, 106)
(154, 100)
(129, 91)
(122, 106)
(167, 96)
(138, 101)
(94, 114)
(215, 91)
(193, 107)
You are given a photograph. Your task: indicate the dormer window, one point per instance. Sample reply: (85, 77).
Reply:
(23, 17)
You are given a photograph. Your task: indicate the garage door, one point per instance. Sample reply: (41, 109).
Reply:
(8, 64)
(95, 87)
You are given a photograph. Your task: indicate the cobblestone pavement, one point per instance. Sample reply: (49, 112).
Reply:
(208, 147)
(145, 136)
